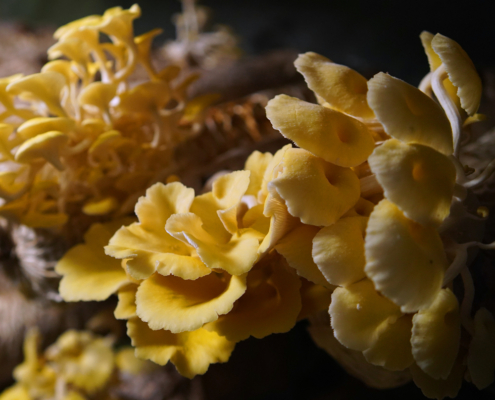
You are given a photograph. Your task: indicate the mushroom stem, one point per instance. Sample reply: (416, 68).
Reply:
(448, 105)
(467, 301)
(481, 178)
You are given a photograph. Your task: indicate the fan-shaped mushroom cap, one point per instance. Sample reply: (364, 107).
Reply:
(418, 179)
(408, 114)
(329, 134)
(461, 71)
(405, 260)
(436, 335)
(341, 87)
(36, 126)
(47, 145)
(316, 192)
(46, 86)
(338, 250)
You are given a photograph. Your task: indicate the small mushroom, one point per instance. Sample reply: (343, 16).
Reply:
(48, 145)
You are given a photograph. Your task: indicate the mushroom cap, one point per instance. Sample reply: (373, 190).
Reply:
(316, 192)
(46, 145)
(436, 335)
(36, 126)
(341, 87)
(461, 71)
(46, 86)
(408, 114)
(419, 180)
(329, 134)
(405, 260)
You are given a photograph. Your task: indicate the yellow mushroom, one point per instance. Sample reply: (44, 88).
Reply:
(408, 114)
(329, 134)
(341, 87)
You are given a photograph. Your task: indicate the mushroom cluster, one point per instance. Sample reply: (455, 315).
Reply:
(83, 138)
(78, 366)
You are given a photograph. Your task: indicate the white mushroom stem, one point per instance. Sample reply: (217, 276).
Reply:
(467, 301)
(425, 84)
(448, 105)
(481, 178)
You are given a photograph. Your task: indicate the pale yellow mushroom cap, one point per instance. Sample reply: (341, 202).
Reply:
(408, 114)
(36, 126)
(461, 71)
(436, 335)
(418, 179)
(97, 94)
(341, 87)
(329, 134)
(338, 251)
(481, 354)
(316, 192)
(46, 86)
(178, 305)
(190, 352)
(47, 145)
(405, 260)
(359, 314)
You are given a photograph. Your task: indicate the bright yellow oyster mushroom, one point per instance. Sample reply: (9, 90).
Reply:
(147, 244)
(405, 260)
(48, 146)
(436, 335)
(45, 86)
(315, 191)
(178, 305)
(331, 135)
(271, 303)
(338, 250)
(83, 360)
(87, 273)
(481, 353)
(461, 72)
(341, 87)
(190, 352)
(416, 178)
(408, 114)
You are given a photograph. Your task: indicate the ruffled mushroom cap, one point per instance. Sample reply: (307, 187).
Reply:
(147, 244)
(36, 126)
(405, 260)
(190, 352)
(416, 178)
(87, 273)
(48, 146)
(359, 315)
(82, 360)
(461, 71)
(296, 248)
(45, 86)
(329, 134)
(341, 87)
(408, 114)
(481, 354)
(436, 335)
(315, 191)
(271, 303)
(338, 251)
(178, 305)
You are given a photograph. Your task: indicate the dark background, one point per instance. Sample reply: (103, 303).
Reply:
(369, 36)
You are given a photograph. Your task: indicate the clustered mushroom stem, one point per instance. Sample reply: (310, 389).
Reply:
(448, 105)
(483, 177)
(425, 84)
(467, 301)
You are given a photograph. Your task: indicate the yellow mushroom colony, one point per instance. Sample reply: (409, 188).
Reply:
(78, 366)
(83, 137)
